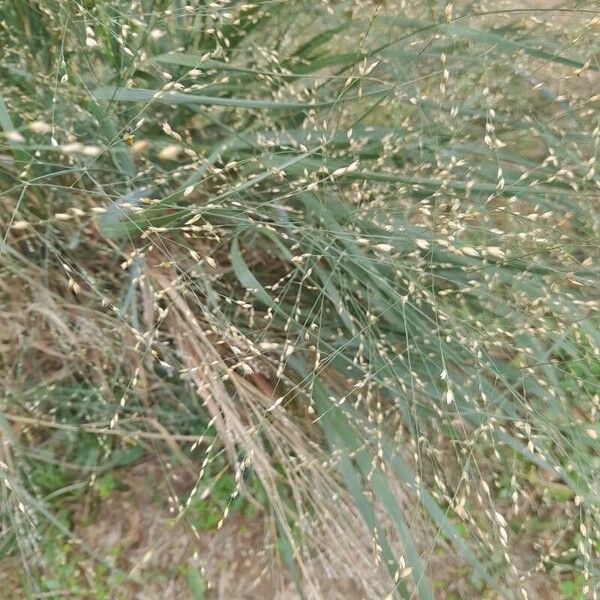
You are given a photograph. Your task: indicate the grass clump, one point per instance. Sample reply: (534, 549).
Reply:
(334, 264)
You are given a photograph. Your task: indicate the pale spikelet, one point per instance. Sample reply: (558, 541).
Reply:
(193, 219)
(169, 131)
(40, 127)
(19, 225)
(14, 136)
(73, 285)
(469, 251)
(92, 151)
(495, 251)
(275, 404)
(72, 148)
(448, 12)
(140, 146)
(344, 170)
(170, 152)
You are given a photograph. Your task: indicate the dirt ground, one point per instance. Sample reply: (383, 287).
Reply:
(156, 550)
(236, 562)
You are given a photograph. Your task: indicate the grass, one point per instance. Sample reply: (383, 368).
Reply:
(330, 267)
